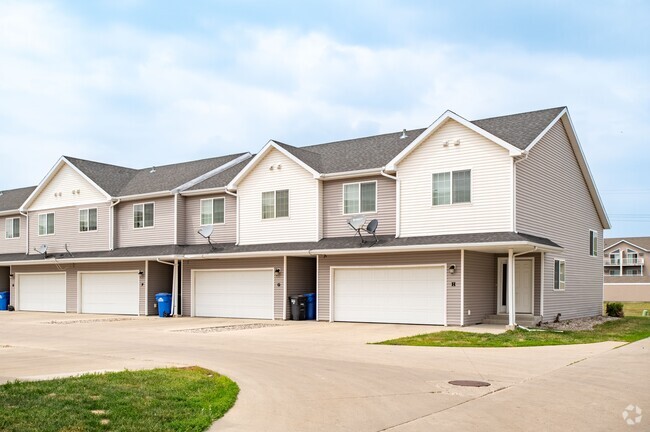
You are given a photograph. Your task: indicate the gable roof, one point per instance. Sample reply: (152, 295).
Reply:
(642, 243)
(11, 200)
(111, 178)
(220, 180)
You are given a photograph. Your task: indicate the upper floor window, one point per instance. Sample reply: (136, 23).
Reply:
(12, 228)
(615, 257)
(143, 215)
(360, 197)
(275, 204)
(212, 211)
(88, 220)
(46, 224)
(559, 278)
(593, 243)
(632, 256)
(453, 187)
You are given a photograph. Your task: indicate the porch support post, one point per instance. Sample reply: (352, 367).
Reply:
(511, 288)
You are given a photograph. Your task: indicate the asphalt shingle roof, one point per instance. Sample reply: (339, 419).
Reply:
(14, 198)
(221, 179)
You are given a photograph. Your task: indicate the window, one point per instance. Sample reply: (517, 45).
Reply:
(593, 243)
(12, 228)
(615, 257)
(360, 197)
(275, 204)
(143, 215)
(212, 211)
(559, 278)
(451, 187)
(46, 224)
(631, 272)
(615, 272)
(88, 220)
(632, 257)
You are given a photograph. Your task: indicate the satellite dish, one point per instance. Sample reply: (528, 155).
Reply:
(42, 249)
(356, 222)
(206, 232)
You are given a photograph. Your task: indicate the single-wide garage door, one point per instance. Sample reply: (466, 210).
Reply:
(409, 295)
(110, 293)
(234, 293)
(43, 292)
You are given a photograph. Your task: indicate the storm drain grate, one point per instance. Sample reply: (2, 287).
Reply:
(217, 329)
(468, 383)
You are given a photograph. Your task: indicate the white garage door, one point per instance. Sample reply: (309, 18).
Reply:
(409, 295)
(44, 292)
(110, 293)
(234, 293)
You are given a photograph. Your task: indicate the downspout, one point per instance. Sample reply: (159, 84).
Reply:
(237, 216)
(397, 199)
(514, 190)
(26, 214)
(111, 224)
(176, 218)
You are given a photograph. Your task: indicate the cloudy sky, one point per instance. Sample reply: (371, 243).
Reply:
(141, 83)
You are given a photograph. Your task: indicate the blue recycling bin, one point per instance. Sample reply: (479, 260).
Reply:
(4, 300)
(310, 313)
(164, 304)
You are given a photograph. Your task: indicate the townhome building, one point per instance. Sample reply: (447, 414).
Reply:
(627, 275)
(495, 220)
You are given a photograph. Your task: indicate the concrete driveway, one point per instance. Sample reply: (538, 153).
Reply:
(325, 377)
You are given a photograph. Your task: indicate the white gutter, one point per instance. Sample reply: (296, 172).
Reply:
(514, 189)
(230, 193)
(212, 173)
(111, 224)
(88, 260)
(145, 196)
(26, 214)
(203, 191)
(350, 174)
(382, 172)
(236, 216)
(397, 199)
(175, 218)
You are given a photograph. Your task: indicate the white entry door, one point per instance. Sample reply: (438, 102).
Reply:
(524, 283)
(408, 295)
(234, 293)
(110, 292)
(42, 292)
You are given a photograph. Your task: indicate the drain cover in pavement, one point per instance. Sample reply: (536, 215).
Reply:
(466, 383)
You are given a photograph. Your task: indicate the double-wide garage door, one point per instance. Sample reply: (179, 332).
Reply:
(408, 295)
(233, 293)
(110, 292)
(41, 292)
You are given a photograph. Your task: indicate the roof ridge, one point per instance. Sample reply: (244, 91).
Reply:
(519, 113)
(361, 138)
(72, 159)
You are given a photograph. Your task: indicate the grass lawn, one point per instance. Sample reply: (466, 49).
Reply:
(186, 399)
(632, 308)
(625, 330)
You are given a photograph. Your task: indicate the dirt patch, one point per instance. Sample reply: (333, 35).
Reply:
(578, 323)
(218, 329)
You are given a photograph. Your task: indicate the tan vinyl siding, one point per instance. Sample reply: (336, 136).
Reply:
(66, 230)
(71, 277)
(13, 245)
(480, 286)
(181, 220)
(391, 259)
(645, 269)
(233, 264)
(627, 293)
(159, 280)
(301, 278)
(162, 233)
(490, 209)
(553, 201)
(302, 223)
(58, 192)
(223, 233)
(335, 222)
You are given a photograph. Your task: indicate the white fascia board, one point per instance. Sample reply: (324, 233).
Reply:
(351, 174)
(51, 173)
(10, 212)
(626, 242)
(211, 173)
(512, 150)
(89, 260)
(203, 191)
(265, 150)
(145, 196)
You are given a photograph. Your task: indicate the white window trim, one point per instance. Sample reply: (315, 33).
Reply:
(359, 198)
(559, 288)
(212, 212)
(79, 222)
(38, 224)
(275, 204)
(451, 188)
(12, 228)
(154, 216)
(593, 234)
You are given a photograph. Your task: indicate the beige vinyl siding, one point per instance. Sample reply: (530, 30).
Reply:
(66, 230)
(302, 223)
(72, 277)
(623, 247)
(162, 233)
(223, 233)
(181, 220)
(301, 278)
(159, 280)
(391, 259)
(490, 209)
(553, 201)
(627, 293)
(64, 181)
(335, 222)
(13, 245)
(233, 264)
(480, 286)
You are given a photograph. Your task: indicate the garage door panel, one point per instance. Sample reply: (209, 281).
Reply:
(234, 294)
(42, 292)
(391, 295)
(110, 293)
